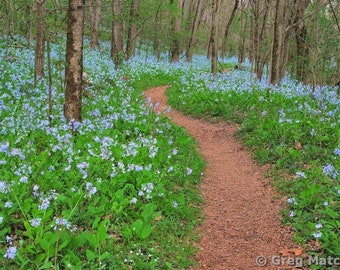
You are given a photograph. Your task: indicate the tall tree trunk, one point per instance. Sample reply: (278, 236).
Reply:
(156, 35)
(74, 61)
(40, 40)
(261, 55)
(28, 23)
(277, 44)
(176, 26)
(213, 37)
(192, 40)
(95, 15)
(132, 31)
(117, 46)
(302, 51)
(242, 39)
(227, 28)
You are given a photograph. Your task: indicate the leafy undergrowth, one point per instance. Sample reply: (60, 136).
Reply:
(291, 126)
(117, 191)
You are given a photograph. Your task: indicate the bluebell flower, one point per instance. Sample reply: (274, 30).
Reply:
(318, 226)
(10, 253)
(329, 170)
(8, 204)
(35, 222)
(91, 189)
(337, 151)
(4, 188)
(301, 174)
(317, 235)
(4, 147)
(189, 171)
(133, 200)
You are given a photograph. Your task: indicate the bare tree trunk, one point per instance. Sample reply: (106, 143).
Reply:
(74, 61)
(192, 40)
(242, 36)
(28, 23)
(277, 44)
(227, 28)
(177, 23)
(40, 40)
(117, 48)
(302, 51)
(95, 15)
(132, 31)
(213, 37)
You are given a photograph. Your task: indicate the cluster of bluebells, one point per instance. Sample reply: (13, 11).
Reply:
(146, 191)
(61, 223)
(44, 199)
(317, 234)
(330, 171)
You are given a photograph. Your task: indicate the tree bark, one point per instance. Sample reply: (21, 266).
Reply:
(117, 45)
(132, 31)
(158, 25)
(277, 44)
(213, 37)
(302, 50)
(192, 40)
(176, 26)
(74, 61)
(95, 15)
(242, 36)
(227, 28)
(28, 23)
(40, 40)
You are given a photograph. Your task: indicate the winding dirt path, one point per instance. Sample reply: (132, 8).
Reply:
(242, 219)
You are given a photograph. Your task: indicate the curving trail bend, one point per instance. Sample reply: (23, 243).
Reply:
(242, 219)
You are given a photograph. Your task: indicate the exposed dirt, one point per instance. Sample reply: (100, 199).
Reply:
(242, 218)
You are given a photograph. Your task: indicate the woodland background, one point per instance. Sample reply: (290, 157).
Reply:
(299, 36)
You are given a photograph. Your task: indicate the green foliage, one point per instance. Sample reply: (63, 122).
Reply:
(114, 194)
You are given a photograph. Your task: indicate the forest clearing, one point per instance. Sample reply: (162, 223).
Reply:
(150, 146)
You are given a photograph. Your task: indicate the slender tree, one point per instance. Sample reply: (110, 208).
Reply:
(132, 31)
(277, 61)
(117, 44)
(95, 8)
(176, 25)
(193, 39)
(227, 28)
(213, 37)
(40, 40)
(74, 61)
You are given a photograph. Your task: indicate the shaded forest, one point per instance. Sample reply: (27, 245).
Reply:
(296, 36)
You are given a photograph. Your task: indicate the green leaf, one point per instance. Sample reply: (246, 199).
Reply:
(102, 230)
(146, 231)
(92, 239)
(90, 255)
(44, 244)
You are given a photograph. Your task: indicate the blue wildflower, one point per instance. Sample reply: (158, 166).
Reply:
(10, 253)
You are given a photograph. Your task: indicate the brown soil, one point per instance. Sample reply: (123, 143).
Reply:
(242, 218)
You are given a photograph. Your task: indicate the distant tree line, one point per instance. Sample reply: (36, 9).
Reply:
(301, 37)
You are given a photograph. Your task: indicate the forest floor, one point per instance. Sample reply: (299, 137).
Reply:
(242, 219)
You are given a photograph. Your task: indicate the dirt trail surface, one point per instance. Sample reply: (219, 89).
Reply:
(242, 219)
